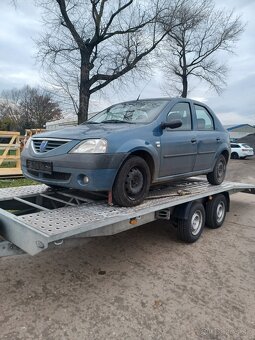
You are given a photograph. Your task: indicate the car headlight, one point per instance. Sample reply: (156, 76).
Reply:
(91, 146)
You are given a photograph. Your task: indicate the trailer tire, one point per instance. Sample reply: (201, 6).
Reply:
(190, 229)
(216, 211)
(217, 176)
(132, 182)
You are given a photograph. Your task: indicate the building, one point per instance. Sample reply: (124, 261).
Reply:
(62, 123)
(240, 131)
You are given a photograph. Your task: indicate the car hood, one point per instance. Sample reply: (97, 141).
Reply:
(88, 131)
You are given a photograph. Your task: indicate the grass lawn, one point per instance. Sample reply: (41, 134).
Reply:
(6, 163)
(17, 182)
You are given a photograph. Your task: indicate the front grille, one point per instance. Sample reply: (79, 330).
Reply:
(45, 145)
(61, 176)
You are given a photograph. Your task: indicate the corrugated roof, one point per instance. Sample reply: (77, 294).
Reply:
(238, 126)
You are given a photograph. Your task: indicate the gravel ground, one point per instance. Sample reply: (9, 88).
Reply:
(140, 284)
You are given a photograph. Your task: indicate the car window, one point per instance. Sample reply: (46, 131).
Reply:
(181, 111)
(235, 146)
(204, 119)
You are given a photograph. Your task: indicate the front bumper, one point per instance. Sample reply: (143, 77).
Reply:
(69, 170)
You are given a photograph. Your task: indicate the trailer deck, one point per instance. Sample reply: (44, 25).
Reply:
(33, 217)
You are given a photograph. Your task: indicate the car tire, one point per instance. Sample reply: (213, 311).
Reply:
(132, 182)
(216, 211)
(218, 174)
(234, 155)
(190, 229)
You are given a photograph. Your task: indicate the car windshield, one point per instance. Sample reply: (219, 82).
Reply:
(141, 111)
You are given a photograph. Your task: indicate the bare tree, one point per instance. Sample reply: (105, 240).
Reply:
(27, 108)
(101, 39)
(193, 48)
(9, 108)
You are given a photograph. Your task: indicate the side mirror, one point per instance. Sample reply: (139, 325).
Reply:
(174, 124)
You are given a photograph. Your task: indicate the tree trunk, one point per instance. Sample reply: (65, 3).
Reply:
(184, 86)
(84, 91)
(83, 106)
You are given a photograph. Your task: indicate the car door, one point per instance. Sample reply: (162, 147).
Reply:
(207, 138)
(178, 146)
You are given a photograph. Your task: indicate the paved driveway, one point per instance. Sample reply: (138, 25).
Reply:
(141, 284)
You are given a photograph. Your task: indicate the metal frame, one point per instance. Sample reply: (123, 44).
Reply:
(33, 217)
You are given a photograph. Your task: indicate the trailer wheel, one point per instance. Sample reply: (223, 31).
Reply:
(132, 183)
(217, 176)
(190, 229)
(216, 211)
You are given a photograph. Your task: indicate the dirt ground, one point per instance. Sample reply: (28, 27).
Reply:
(141, 284)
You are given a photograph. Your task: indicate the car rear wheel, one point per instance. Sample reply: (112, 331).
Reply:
(132, 183)
(217, 176)
(190, 229)
(216, 211)
(234, 155)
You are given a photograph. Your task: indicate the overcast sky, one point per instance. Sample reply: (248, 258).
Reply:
(19, 27)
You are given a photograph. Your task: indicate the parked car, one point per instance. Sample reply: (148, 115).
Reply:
(241, 150)
(130, 146)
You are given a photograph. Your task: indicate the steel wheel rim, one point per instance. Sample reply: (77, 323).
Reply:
(221, 169)
(220, 212)
(196, 222)
(134, 182)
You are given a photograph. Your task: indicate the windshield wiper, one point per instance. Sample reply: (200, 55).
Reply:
(116, 121)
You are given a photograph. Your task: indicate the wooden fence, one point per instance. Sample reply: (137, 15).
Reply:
(10, 163)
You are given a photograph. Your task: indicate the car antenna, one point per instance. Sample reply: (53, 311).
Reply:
(143, 90)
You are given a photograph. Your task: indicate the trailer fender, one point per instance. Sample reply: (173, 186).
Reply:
(182, 211)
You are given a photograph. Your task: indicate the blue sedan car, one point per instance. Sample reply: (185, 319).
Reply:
(130, 146)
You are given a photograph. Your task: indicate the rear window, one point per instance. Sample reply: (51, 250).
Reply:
(204, 119)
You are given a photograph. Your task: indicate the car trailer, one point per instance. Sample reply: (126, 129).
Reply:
(33, 218)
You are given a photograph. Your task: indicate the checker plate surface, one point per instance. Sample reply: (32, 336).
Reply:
(9, 193)
(68, 221)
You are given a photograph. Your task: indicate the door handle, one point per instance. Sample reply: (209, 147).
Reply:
(193, 140)
(218, 139)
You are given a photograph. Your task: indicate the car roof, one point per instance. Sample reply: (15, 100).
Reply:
(160, 99)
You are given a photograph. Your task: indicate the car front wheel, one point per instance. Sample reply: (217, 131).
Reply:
(217, 176)
(132, 183)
